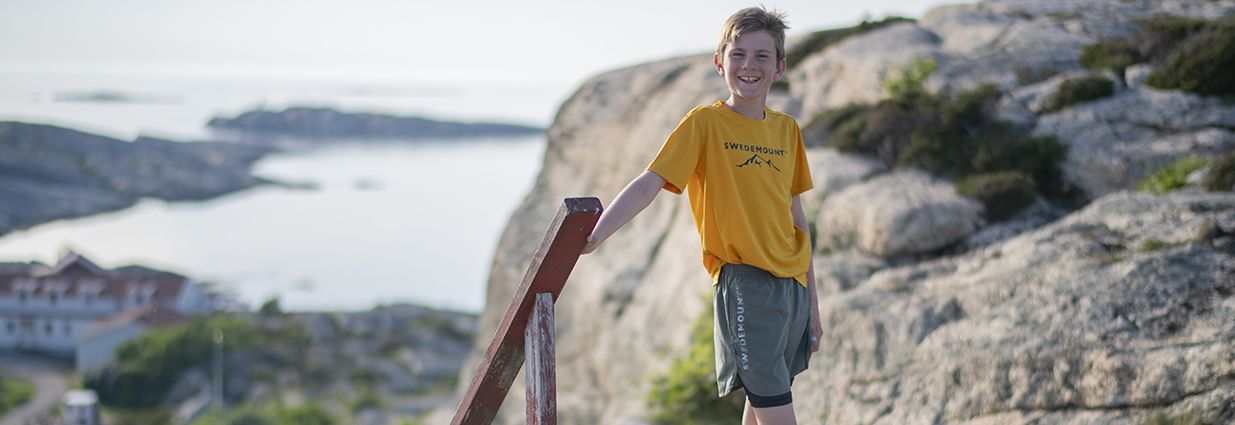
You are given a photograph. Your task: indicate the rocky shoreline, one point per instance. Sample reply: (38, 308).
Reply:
(317, 125)
(49, 173)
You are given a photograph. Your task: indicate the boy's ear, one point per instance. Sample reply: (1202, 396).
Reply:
(780, 69)
(720, 67)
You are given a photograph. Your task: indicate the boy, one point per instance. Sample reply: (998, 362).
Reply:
(744, 167)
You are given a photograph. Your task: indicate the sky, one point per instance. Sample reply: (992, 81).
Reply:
(537, 42)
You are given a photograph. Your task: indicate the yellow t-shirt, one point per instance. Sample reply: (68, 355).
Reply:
(741, 174)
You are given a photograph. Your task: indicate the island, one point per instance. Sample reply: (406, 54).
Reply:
(324, 124)
(49, 173)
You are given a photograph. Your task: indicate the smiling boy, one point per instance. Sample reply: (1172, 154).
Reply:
(744, 167)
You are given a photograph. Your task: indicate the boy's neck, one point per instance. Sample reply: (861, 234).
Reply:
(751, 108)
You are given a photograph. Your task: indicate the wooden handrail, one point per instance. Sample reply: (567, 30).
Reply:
(552, 264)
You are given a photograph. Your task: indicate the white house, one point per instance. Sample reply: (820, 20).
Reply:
(51, 308)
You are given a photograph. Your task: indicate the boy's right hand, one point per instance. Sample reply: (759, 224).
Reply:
(590, 246)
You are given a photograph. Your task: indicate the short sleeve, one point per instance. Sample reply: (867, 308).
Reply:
(680, 154)
(802, 181)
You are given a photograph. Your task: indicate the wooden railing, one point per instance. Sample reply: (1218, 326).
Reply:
(527, 325)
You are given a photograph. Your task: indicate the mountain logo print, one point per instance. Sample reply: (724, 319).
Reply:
(758, 161)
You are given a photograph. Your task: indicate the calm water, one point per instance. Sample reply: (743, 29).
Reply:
(387, 222)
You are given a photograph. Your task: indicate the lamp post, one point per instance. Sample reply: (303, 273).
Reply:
(218, 366)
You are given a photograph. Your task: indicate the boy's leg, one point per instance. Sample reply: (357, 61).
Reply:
(748, 415)
(779, 415)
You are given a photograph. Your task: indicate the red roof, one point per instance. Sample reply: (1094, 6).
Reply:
(76, 274)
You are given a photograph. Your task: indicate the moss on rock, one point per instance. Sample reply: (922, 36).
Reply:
(820, 40)
(1002, 193)
(1221, 175)
(1201, 64)
(1078, 90)
(1170, 177)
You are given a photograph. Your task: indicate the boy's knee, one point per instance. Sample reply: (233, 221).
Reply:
(759, 402)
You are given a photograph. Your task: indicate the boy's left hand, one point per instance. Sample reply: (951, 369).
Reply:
(816, 331)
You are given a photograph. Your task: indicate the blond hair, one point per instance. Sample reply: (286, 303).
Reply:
(754, 19)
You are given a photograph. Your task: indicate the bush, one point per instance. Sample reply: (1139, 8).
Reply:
(1115, 54)
(271, 307)
(1221, 175)
(686, 394)
(118, 416)
(1078, 90)
(909, 82)
(367, 398)
(14, 392)
(1026, 75)
(819, 40)
(1160, 35)
(309, 414)
(1003, 193)
(952, 137)
(1201, 64)
(1170, 177)
(146, 368)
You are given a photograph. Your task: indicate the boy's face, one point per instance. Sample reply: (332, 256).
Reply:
(749, 65)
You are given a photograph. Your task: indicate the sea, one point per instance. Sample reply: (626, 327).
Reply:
(368, 224)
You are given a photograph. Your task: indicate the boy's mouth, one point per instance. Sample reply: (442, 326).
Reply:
(749, 80)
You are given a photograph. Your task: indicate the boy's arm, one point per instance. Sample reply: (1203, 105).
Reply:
(816, 329)
(630, 202)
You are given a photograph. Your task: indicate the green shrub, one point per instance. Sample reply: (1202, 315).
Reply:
(121, 416)
(1115, 54)
(1026, 75)
(686, 394)
(1170, 177)
(146, 368)
(1003, 193)
(819, 40)
(909, 82)
(1221, 174)
(367, 398)
(271, 307)
(14, 392)
(953, 137)
(1078, 90)
(1159, 35)
(1201, 64)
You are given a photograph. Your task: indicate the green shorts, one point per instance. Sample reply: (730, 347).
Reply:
(760, 332)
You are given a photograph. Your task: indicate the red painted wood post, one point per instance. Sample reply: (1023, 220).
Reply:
(540, 371)
(552, 264)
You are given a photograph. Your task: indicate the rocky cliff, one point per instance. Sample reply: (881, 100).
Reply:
(1108, 309)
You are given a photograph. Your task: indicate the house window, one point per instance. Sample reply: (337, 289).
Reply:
(47, 328)
(53, 298)
(12, 327)
(68, 328)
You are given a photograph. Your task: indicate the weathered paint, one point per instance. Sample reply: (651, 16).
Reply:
(552, 264)
(540, 369)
